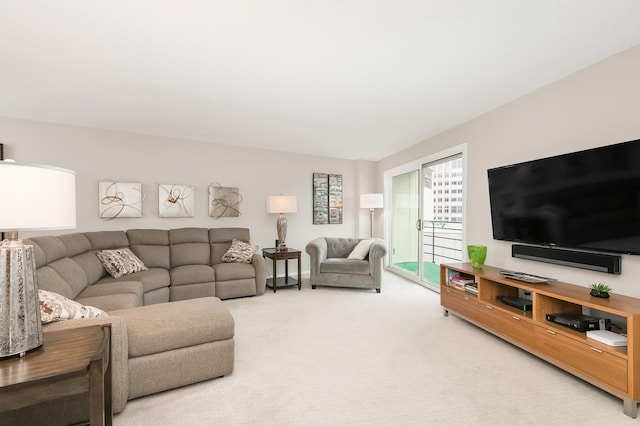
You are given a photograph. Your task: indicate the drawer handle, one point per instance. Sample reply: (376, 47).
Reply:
(466, 298)
(448, 291)
(595, 349)
(515, 317)
(550, 331)
(488, 307)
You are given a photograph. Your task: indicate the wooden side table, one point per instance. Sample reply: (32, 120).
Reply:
(285, 255)
(69, 362)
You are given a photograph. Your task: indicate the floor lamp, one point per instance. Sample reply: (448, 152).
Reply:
(282, 204)
(34, 197)
(371, 202)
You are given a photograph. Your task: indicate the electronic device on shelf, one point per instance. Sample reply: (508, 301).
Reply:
(522, 276)
(516, 302)
(607, 337)
(579, 322)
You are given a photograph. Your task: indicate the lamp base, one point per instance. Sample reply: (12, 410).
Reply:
(282, 247)
(20, 326)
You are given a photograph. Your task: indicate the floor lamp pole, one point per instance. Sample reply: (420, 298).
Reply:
(371, 213)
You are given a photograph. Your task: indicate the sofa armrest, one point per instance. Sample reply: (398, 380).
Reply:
(377, 252)
(119, 353)
(317, 251)
(261, 272)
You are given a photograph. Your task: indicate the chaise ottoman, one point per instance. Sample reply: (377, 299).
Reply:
(177, 343)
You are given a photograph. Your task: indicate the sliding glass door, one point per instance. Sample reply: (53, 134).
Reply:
(405, 241)
(426, 223)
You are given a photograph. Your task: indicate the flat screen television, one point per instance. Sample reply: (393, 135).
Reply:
(587, 200)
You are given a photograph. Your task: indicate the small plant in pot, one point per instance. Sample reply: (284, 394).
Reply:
(600, 290)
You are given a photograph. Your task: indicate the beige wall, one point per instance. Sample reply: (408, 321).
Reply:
(97, 155)
(597, 106)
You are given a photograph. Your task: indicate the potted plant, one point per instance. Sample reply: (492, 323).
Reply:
(600, 290)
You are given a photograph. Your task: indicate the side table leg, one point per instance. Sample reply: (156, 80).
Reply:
(275, 277)
(299, 273)
(286, 271)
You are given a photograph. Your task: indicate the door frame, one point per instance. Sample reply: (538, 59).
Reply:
(409, 167)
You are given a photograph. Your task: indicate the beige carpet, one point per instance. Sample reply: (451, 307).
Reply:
(353, 357)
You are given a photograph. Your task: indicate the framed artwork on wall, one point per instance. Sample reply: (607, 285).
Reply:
(119, 199)
(327, 198)
(224, 201)
(175, 200)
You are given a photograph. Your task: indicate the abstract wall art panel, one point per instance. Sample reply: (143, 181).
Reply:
(176, 200)
(119, 199)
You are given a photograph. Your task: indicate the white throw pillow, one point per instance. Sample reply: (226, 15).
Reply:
(361, 250)
(55, 307)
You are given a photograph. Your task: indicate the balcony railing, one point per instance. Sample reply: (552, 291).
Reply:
(441, 241)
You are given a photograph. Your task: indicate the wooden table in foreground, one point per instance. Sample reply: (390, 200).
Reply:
(275, 255)
(69, 362)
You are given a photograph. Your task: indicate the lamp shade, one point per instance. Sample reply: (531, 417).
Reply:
(36, 197)
(282, 204)
(371, 201)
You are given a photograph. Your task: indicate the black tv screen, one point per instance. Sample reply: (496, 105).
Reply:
(586, 200)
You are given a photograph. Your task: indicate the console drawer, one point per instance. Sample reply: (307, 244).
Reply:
(603, 366)
(515, 328)
(460, 302)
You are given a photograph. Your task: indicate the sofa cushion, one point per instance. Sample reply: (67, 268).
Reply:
(191, 274)
(151, 279)
(114, 288)
(112, 302)
(151, 246)
(55, 307)
(234, 271)
(104, 240)
(173, 325)
(239, 252)
(120, 262)
(189, 246)
(345, 266)
(221, 238)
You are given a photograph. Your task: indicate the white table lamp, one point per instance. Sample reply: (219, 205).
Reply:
(34, 197)
(282, 204)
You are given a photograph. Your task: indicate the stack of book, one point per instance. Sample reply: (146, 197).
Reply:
(464, 283)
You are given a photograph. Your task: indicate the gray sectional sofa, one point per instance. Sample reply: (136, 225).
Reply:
(169, 327)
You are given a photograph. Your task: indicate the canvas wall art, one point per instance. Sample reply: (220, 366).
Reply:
(176, 200)
(327, 198)
(119, 199)
(224, 201)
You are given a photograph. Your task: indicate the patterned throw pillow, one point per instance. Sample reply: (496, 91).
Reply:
(120, 262)
(239, 252)
(55, 307)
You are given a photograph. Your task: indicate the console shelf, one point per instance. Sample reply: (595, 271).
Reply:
(615, 369)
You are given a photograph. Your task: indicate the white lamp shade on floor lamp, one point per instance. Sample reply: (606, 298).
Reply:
(371, 202)
(281, 204)
(34, 197)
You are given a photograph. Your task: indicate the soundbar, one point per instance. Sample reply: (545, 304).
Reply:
(611, 264)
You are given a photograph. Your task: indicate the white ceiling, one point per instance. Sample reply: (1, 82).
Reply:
(354, 79)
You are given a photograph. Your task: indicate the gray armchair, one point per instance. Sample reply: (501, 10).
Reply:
(330, 266)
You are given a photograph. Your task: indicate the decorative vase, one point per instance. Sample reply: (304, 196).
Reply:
(477, 255)
(596, 293)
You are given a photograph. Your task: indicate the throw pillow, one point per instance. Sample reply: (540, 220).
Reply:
(361, 250)
(120, 262)
(239, 252)
(56, 307)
